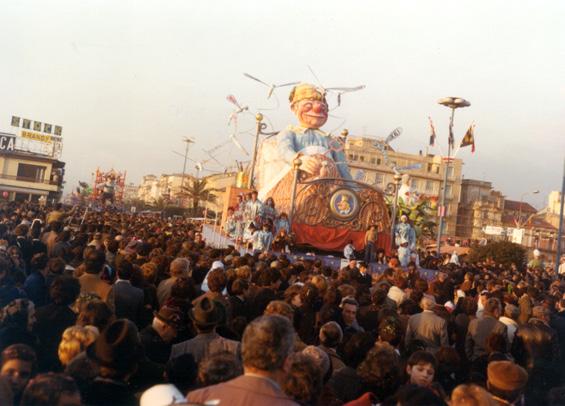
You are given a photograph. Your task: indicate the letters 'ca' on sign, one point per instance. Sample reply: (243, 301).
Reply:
(7, 143)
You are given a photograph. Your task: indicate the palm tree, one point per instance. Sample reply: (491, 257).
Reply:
(198, 191)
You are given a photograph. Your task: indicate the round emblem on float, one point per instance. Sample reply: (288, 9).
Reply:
(344, 204)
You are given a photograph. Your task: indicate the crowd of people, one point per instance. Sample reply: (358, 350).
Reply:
(258, 226)
(109, 308)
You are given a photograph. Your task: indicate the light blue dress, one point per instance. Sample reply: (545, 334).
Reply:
(295, 139)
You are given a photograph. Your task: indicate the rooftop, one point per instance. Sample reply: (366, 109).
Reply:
(515, 205)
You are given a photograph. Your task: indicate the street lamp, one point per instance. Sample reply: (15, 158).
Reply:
(453, 103)
(188, 142)
(260, 127)
(534, 192)
(397, 180)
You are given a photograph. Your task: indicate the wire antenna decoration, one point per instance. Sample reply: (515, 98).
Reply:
(339, 90)
(271, 87)
(233, 119)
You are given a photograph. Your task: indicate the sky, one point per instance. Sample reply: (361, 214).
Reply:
(128, 80)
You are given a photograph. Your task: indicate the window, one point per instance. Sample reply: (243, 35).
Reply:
(450, 171)
(448, 190)
(429, 186)
(379, 179)
(430, 167)
(362, 158)
(31, 173)
(351, 157)
(414, 183)
(378, 161)
(373, 160)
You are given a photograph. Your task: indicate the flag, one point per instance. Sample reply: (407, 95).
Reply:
(469, 138)
(433, 133)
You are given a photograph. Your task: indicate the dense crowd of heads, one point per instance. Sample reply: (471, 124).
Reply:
(103, 308)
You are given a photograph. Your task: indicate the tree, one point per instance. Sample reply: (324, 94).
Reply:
(199, 192)
(502, 252)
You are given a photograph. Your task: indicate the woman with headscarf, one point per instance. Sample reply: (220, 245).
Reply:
(16, 324)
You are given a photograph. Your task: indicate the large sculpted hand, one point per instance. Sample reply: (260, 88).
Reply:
(311, 165)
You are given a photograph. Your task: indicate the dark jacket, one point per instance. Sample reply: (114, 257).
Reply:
(156, 349)
(36, 289)
(126, 300)
(102, 392)
(52, 320)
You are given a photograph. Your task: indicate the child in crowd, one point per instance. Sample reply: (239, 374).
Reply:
(421, 368)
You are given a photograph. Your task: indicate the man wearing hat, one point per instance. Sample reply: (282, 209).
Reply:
(157, 338)
(506, 381)
(205, 315)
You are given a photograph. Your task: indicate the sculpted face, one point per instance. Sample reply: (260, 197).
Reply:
(311, 113)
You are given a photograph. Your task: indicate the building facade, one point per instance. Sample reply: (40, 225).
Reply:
(30, 176)
(480, 206)
(169, 188)
(368, 165)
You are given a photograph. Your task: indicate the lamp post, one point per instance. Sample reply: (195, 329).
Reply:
(188, 141)
(560, 231)
(453, 103)
(520, 223)
(397, 180)
(296, 163)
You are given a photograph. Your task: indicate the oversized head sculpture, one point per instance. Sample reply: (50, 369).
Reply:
(309, 105)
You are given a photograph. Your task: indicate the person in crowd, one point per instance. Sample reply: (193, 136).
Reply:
(74, 341)
(117, 351)
(510, 320)
(263, 239)
(124, 299)
(157, 339)
(370, 242)
(304, 380)
(282, 223)
(361, 275)
(51, 389)
(54, 318)
(35, 284)
(17, 319)
(421, 368)
(268, 212)
(178, 269)
(349, 308)
(330, 338)
(206, 315)
(480, 328)
(18, 365)
(90, 281)
(506, 382)
(266, 345)
(349, 251)
(427, 327)
(471, 395)
(219, 367)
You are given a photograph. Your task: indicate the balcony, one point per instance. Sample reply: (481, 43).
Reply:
(30, 180)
